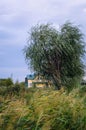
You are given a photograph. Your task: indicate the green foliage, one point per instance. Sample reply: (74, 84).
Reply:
(24, 123)
(6, 82)
(5, 121)
(12, 89)
(82, 90)
(56, 54)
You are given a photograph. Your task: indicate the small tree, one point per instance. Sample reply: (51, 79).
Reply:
(9, 82)
(56, 54)
(6, 82)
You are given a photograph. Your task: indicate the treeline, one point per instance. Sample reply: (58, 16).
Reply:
(8, 87)
(6, 82)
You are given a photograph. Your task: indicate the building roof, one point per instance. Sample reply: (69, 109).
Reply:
(30, 77)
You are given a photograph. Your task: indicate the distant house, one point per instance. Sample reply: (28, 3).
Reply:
(35, 80)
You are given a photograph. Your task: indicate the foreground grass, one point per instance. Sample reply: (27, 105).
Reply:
(43, 110)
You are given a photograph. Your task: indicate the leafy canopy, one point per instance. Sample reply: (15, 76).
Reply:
(56, 54)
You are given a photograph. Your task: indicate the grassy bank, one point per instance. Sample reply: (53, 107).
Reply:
(36, 109)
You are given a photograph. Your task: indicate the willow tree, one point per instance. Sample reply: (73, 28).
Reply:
(56, 54)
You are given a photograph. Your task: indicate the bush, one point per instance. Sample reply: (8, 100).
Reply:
(6, 82)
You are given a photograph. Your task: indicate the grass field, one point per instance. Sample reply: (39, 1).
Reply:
(42, 109)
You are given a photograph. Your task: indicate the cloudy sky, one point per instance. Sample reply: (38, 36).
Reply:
(16, 19)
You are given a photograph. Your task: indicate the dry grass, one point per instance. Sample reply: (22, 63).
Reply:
(44, 110)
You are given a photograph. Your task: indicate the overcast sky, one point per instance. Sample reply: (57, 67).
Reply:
(16, 19)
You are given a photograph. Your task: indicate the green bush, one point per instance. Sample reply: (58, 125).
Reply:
(6, 82)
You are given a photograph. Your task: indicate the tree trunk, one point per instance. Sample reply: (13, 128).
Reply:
(57, 81)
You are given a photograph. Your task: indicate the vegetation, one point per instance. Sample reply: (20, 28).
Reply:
(56, 54)
(6, 82)
(42, 109)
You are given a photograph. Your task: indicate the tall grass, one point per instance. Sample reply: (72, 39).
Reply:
(43, 109)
